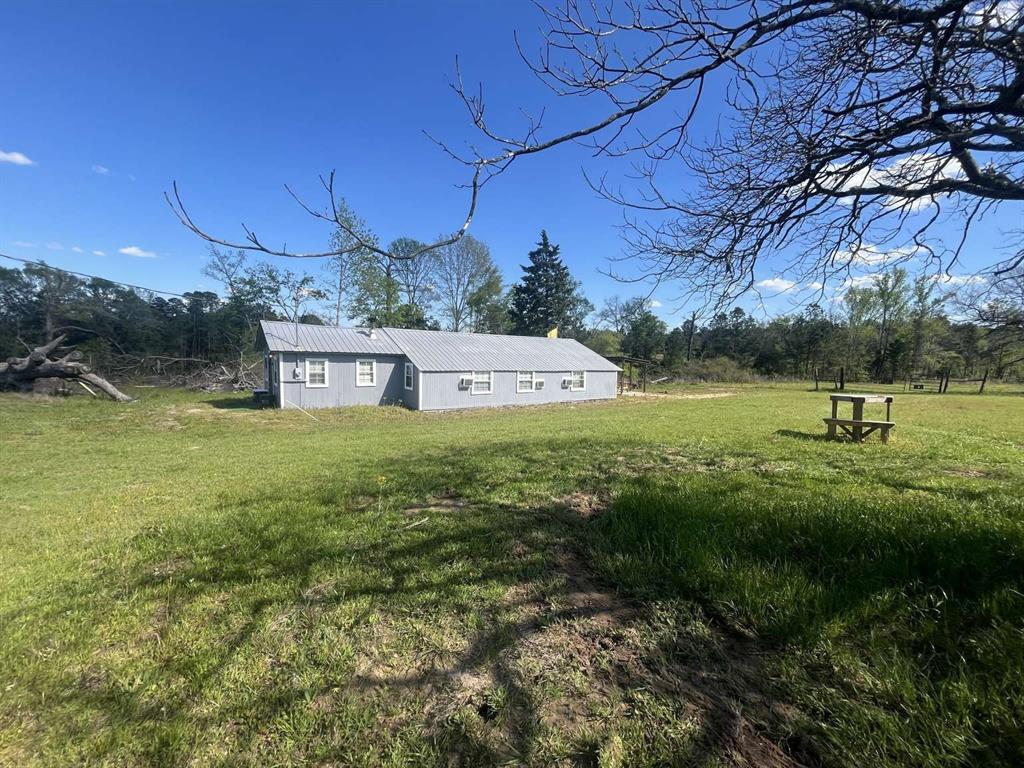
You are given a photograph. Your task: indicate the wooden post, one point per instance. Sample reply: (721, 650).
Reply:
(842, 378)
(835, 415)
(984, 378)
(815, 379)
(643, 372)
(858, 415)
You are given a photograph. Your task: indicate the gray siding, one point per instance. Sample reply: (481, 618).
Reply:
(341, 380)
(441, 390)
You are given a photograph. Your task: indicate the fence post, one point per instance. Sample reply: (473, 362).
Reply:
(842, 377)
(984, 378)
(815, 379)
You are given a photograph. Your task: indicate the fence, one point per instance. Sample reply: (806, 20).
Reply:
(917, 382)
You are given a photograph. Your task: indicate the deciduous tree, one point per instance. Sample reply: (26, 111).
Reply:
(467, 281)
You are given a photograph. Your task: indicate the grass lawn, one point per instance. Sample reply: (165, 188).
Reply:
(659, 581)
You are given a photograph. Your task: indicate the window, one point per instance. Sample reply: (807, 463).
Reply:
(316, 372)
(408, 375)
(482, 382)
(366, 373)
(578, 381)
(525, 381)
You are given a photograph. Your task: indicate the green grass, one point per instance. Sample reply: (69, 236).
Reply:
(187, 581)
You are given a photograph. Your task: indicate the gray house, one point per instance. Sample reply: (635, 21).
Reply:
(319, 366)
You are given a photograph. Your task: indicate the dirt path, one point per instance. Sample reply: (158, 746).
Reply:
(679, 396)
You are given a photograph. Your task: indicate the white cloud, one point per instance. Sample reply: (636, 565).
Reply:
(779, 284)
(102, 170)
(945, 279)
(54, 246)
(98, 253)
(1001, 14)
(867, 255)
(15, 158)
(76, 249)
(815, 286)
(861, 281)
(139, 253)
(655, 303)
(916, 170)
(23, 244)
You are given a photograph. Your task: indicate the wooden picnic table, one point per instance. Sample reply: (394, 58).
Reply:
(858, 427)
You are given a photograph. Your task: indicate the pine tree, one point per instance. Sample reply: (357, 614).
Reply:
(547, 297)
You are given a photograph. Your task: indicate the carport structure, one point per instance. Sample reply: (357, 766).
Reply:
(629, 366)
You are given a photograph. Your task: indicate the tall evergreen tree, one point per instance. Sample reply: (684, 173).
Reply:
(547, 297)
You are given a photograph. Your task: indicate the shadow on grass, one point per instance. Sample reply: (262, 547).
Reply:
(817, 437)
(457, 620)
(308, 622)
(238, 402)
(930, 593)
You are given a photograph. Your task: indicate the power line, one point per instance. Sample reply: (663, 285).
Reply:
(94, 277)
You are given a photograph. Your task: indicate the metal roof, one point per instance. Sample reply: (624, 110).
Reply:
(439, 350)
(292, 337)
(449, 351)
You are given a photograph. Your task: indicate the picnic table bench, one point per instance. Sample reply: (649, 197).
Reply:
(858, 427)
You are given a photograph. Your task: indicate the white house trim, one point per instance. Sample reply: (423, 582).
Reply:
(409, 376)
(327, 372)
(572, 381)
(523, 386)
(280, 381)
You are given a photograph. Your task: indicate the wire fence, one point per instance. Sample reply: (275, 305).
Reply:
(935, 383)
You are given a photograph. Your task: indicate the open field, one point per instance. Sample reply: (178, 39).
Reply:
(654, 581)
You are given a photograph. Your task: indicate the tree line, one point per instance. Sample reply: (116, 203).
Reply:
(457, 287)
(887, 330)
(892, 327)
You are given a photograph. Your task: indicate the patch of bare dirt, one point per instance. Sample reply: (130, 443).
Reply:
(169, 568)
(678, 395)
(563, 654)
(158, 622)
(586, 505)
(437, 504)
(968, 472)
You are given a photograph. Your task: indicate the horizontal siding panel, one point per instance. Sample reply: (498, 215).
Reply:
(441, 390)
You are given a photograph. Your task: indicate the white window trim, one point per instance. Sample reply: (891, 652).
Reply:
(490, 383)
(409, 376)
(572, 387)
(533, 381)
(373, 372)
(327, 372)
(280, 381)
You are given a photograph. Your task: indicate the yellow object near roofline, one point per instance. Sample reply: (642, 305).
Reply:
(553, 333)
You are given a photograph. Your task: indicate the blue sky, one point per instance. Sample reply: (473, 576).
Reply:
(112, 101)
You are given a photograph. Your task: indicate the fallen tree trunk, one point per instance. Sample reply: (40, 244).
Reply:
(21, 372)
